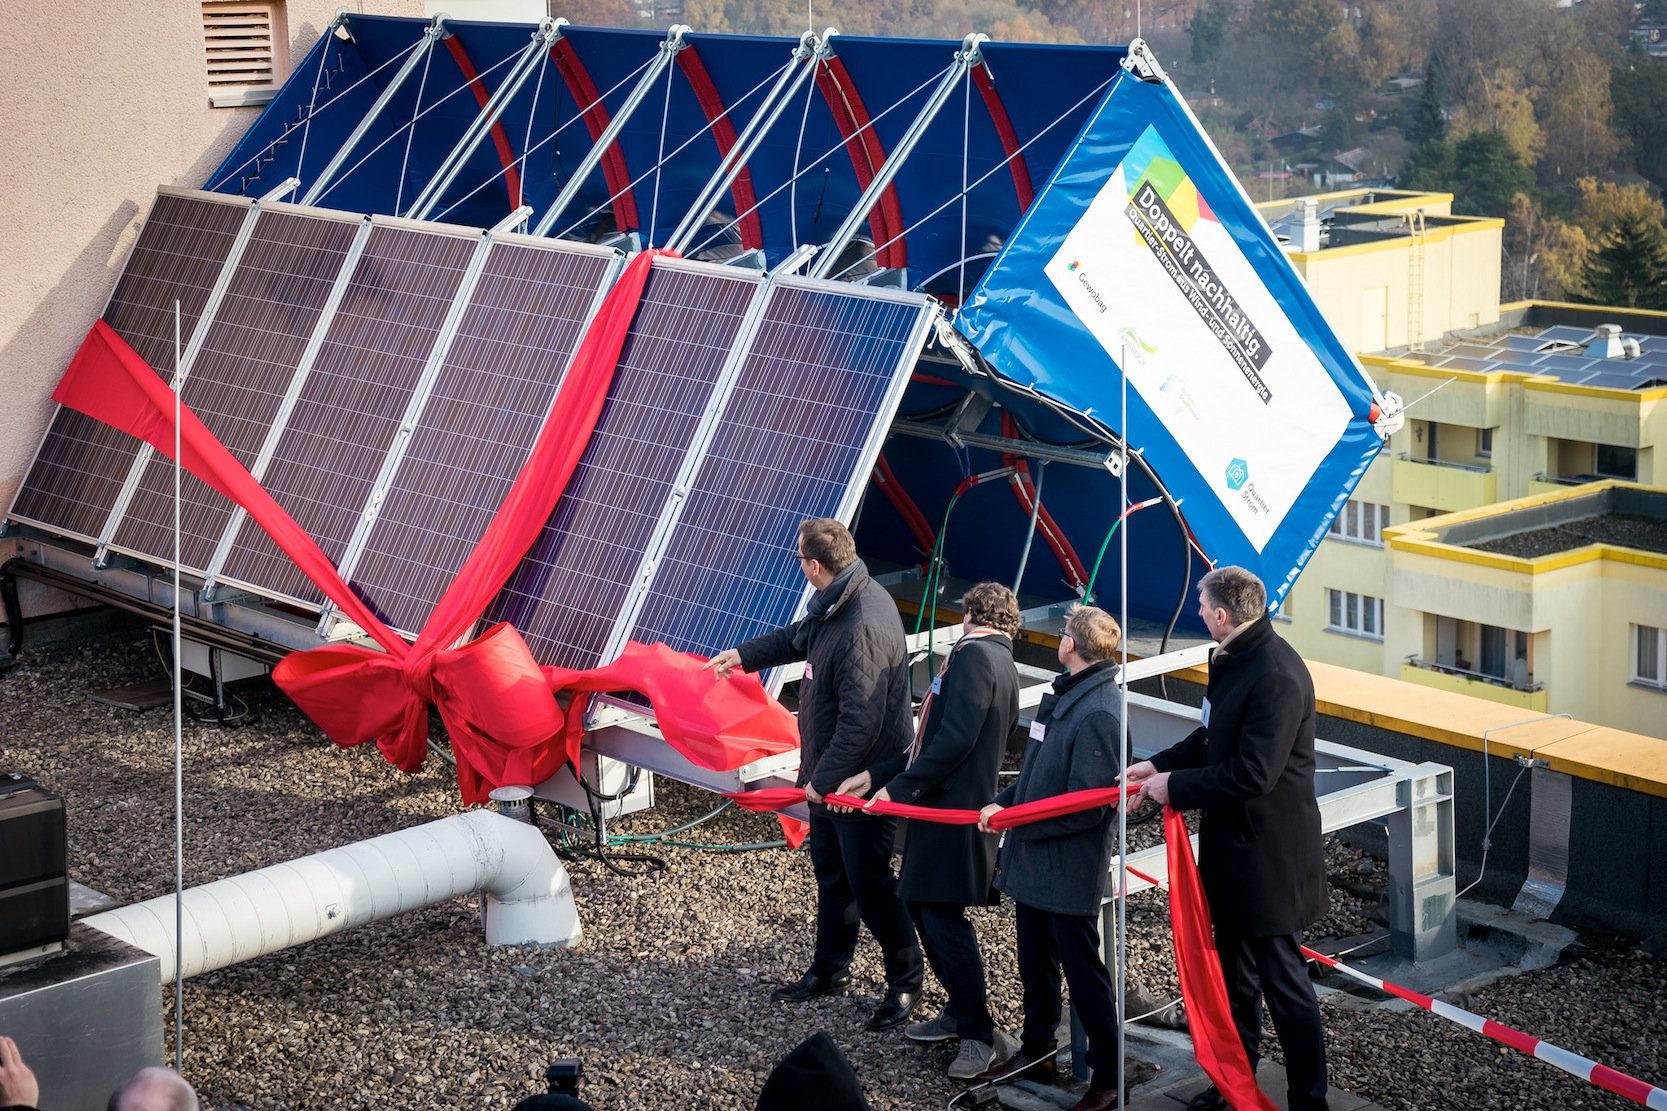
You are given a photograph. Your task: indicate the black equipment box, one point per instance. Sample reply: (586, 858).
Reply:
(34, 875)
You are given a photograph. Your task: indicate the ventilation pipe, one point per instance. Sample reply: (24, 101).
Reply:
(1605, 342)
(527, 897)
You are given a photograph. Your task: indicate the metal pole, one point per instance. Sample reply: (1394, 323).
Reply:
(730, 167)
(179, 741)
(668, 50)
(431, 35)
(1035, 513)
(965, 58)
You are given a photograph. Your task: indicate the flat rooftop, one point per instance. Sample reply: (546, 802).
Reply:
(1619, 515)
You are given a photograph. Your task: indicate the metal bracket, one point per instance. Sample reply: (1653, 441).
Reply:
(1144, 64)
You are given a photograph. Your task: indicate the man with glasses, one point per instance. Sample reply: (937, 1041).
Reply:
(854, 712)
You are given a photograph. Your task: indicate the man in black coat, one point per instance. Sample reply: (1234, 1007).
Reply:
(854, 711)
(1055, 870)
(973, 706)
(1250, 769)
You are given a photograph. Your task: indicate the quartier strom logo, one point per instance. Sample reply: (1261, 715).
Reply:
(1072, 266)
(1238, 473)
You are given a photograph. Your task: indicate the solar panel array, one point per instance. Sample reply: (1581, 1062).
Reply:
(240, 374)
(795, 441)
(386, 381)
(497, 382)
(1559, 352)
(82, 465)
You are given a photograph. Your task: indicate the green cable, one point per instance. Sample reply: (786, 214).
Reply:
(1088, 591)
(933, 576)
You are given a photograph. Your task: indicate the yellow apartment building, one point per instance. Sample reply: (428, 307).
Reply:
(1504, 403)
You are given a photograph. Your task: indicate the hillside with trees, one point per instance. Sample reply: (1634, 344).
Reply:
(1551, 118)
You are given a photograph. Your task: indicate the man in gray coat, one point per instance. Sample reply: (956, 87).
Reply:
(1250, 769)
(854, 712)
(1055, 870)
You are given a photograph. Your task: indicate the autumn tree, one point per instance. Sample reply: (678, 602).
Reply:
(1501, 102)
(1575, 111)
(1543, 257)
(1486, 174)
(1208, 30)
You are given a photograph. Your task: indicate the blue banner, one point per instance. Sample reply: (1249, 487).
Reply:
(1142, 255)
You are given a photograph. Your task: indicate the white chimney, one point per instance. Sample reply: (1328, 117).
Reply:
(1307, 237)
(1605, 342)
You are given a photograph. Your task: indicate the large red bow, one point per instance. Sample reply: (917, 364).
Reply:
(499, 707)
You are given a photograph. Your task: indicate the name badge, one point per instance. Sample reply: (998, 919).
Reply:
(1036, 730)
(937, 684)
(808, 674)
(1206, 714)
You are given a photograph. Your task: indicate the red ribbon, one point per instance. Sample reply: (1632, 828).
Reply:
(1215, 1039)
(499, 706)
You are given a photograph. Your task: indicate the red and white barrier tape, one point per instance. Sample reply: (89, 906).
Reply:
(1610, 1080)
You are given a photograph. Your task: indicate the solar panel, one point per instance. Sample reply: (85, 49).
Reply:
(354, 400)
(1566, 332)
(513, 343)
(241, 371)
(82, 465)
(815, 392)
(568, 593)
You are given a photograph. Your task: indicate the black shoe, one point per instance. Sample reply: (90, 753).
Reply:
(811, 985)
(1208, 1100)
(1040, 1066)
(894, 1009)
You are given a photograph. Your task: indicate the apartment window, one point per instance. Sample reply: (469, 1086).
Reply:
(1484, 443)
(1357, 614)
(1362, 522)
(1649, 657)
(246, 49)
(1617, 462)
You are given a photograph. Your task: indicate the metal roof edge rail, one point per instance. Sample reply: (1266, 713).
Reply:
(965, 58)
(668, 50)
(733, 162)
(420, 50)
(549, 30)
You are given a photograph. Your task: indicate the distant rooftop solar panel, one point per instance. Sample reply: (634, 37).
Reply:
(1460, 363)
(513, 343)
(1565, 364)
(1519, 343)
(1472, 350)
(568, 593)
(353, 401)
(240, 374)
(814, 395)
(82, 465)
(1566, 332)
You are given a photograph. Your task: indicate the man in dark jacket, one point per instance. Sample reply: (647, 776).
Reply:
(1055, 870)
(853, 713)
(1250, 769)
(973, 706)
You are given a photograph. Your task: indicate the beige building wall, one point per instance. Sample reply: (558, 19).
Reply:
(1401, 291)
(101, 104)
(1579, 607)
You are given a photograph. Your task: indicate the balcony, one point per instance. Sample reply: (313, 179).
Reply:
(1441, 677)
(1441, 485)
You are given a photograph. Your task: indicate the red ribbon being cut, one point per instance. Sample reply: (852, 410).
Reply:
(1209, 1019)
(498, 705)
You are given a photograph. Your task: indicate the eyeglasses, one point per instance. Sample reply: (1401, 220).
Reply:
(805, 559)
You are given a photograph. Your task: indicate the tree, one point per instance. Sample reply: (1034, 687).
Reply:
(1303, 30)
(1543, 257)
(1428, 166)
(1501, 102)
(1575, 111)
(1208, 29)
(1429, 121)
(1603, 204)
(1486, 174)
(1629, 266)
(1638, 86)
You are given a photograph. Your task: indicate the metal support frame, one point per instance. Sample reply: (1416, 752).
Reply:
(548, 31)
(1421, 864)
(806, 56)
(593, 157)
(965, 58)
(280, 420)
(432, 34)
(990, 442)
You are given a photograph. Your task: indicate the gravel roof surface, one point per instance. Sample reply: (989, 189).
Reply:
(665, 1002)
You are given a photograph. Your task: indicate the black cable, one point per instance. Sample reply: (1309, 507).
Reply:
(1180, 602)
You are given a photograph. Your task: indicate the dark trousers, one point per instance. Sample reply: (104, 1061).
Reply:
(1047, 943)
(952, 946)
(855, 883)
(1255, 968)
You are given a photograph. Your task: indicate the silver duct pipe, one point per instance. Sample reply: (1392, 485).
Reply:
(527, 899)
